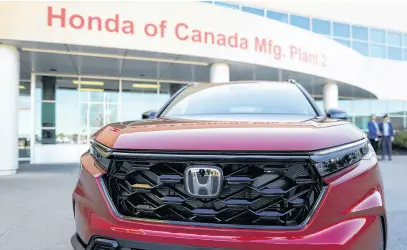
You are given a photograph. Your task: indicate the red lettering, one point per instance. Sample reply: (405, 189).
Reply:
(260, 45)
(268, 47)
(221, 41)
(302, 55)
(52, 16)
(244, 43)
(207, 37)
(233, 41)
(77, 21)
(114, 22)
(128, 27)
(277, 52)
(74, 24)
(150, 29)
(177, 31)
(96, 20)
(163, 26)
(196, 36)
(293, 51)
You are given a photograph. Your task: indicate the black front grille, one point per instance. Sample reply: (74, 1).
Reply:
(271, 192)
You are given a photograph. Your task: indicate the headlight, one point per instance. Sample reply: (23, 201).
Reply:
(101, 153)
(332, 160)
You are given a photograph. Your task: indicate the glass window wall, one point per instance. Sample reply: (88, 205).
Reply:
(394, 53)
(300, 21)
(343, 41)
(361, 47)
(359, 111)
(393, 38)
(378, 51)
(57, 119)
(68, 111)
(385, 44)
(98, 105)
(341, 30)
(24, 118)
(282, 17)
(256, 11)
(360, 33)
(377, 36)
(227, 5)
(138, 97)
(322, 27)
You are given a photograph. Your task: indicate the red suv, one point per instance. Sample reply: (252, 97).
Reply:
(242, 165)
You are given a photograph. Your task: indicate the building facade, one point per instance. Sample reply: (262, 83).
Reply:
(69, 68)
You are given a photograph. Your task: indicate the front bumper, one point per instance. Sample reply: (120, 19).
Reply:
(128, 245)
(356, 234)
(350, 216)
(76, 243)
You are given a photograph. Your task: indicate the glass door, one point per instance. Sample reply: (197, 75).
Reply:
(56, 120)
(98, 106)
(69, 110)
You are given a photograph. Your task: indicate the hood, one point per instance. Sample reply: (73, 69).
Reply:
(293, 133)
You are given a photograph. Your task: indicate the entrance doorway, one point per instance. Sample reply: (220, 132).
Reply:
(68, 109)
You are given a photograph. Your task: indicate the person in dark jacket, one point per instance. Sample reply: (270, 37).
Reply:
(386, 129)
(374, 133)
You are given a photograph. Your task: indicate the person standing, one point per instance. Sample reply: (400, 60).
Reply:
(374, 133)
(386, 129)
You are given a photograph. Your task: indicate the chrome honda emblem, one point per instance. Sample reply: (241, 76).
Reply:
(203, 181)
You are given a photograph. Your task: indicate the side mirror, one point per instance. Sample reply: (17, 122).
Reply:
(149, 115)
(336, 114)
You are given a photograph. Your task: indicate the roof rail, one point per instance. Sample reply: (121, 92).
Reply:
(291, 80)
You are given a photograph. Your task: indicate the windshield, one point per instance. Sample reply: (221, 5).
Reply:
(240, 98)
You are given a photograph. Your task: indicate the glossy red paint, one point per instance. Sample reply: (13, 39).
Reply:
(348, 217)
(222, 135)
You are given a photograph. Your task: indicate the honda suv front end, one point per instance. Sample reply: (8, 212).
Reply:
(248, 165)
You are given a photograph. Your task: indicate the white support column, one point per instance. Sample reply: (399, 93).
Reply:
(9, 79)
(220, 72)
(330, 95)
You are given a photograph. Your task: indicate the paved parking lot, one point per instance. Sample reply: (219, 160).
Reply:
(36, 212)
